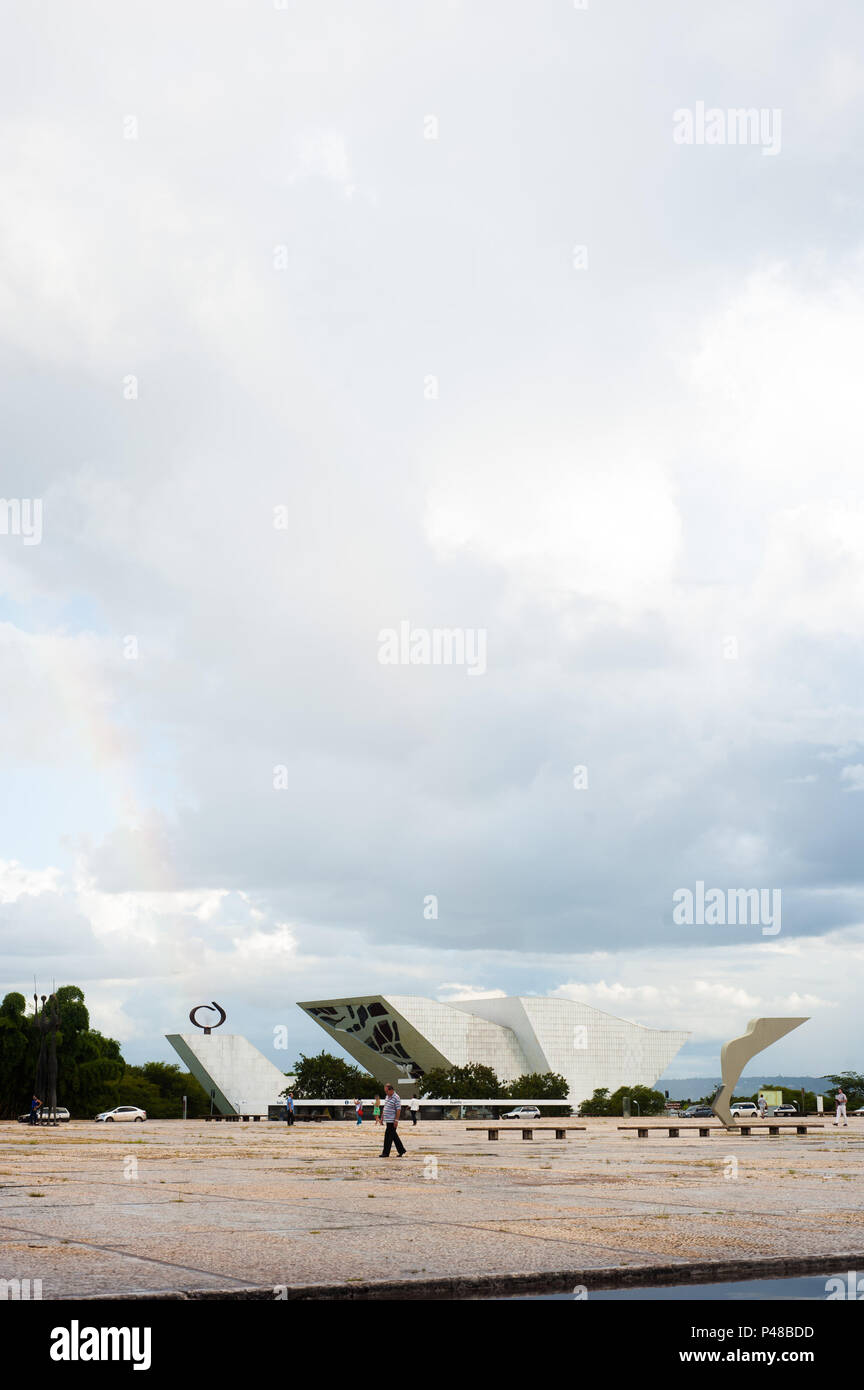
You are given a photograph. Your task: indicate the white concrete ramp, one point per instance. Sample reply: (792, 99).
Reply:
(244, 1081)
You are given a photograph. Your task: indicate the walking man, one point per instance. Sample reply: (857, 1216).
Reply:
(390, 1115)
(289, 1109)
(414, 1107)
(763, 1106)
(840, 1102)
(35, 1106)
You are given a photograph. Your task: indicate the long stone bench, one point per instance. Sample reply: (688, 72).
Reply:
(773, 1127)
(527, 1131)
(208, 1118)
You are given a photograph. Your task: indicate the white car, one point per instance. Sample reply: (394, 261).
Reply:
(523, 1112)
(60, 1113)
(122, 1112)
(744, 1107)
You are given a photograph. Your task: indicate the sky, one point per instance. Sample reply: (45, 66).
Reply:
(326, 321)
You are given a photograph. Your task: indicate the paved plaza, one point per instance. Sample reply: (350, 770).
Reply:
(167, 1207)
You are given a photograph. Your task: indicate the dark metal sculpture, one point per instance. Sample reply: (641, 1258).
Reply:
(45, 1024)
(213, 1005)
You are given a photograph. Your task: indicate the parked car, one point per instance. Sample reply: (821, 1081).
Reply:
(60, 1113)
(122, 1112)
(698, 1112)
(522, 1112)
(790, 1108)
(744, 1107)
(859, 1111)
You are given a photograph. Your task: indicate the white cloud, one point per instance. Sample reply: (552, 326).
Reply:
(624, 466)
(16, 881)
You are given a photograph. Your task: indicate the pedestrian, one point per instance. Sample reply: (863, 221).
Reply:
(763, 1105)
(390, 1115)
(289, 1110)
(35, 1107)
(358, 1109)
(840, 1102)
(376, 1110)
(414, 1107)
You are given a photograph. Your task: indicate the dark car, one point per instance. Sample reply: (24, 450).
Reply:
(699, 1112)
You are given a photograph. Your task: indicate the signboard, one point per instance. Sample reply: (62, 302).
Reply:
(772, 1097)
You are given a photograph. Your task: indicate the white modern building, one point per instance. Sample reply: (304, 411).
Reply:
(239, 1078)
(398, 1037)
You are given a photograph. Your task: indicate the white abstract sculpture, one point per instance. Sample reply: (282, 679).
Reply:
(734, 1056)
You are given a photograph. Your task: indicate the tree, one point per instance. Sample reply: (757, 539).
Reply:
(642, 1098)
(17, 1057)
(852, 1082)
(91, 1072)
(159, 1088)
(539, 1085)
(325, 1077)
(599, 1104)
(472, 1082)
(89, 1066)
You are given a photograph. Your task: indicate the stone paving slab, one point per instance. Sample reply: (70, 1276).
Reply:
(172, 1208)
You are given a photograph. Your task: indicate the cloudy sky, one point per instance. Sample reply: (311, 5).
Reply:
(319, 317)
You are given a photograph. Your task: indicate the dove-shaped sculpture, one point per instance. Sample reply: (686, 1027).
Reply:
(734, 1056)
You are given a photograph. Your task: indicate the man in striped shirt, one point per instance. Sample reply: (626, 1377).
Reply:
(390, 1116)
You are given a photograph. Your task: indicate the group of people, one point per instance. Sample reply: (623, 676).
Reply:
(840, 1099)
(387, 1115)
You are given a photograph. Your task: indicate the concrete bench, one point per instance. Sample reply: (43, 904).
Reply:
(800, 1127)
(208, 1118)
(775, 1126)
(674, 1130)
(527, 1131)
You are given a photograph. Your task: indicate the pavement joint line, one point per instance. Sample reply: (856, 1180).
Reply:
(398, 1218)
(123, 1254)
(455, 1225)
(539, 1281)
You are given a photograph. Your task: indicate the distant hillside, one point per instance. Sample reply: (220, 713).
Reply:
(680, 1088)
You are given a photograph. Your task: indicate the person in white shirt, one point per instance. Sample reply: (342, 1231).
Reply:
(390, 1115)
(840, 1102)
(414, 1107)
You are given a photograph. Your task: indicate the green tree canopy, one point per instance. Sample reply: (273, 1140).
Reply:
(852, 1082)
(643, 1100)
(91, 1072)
(326, 1077)
(17, 1057)
(599, 1104)
(472, 1082)
(539, 1085)
(89, 1066)
(159, 1088)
